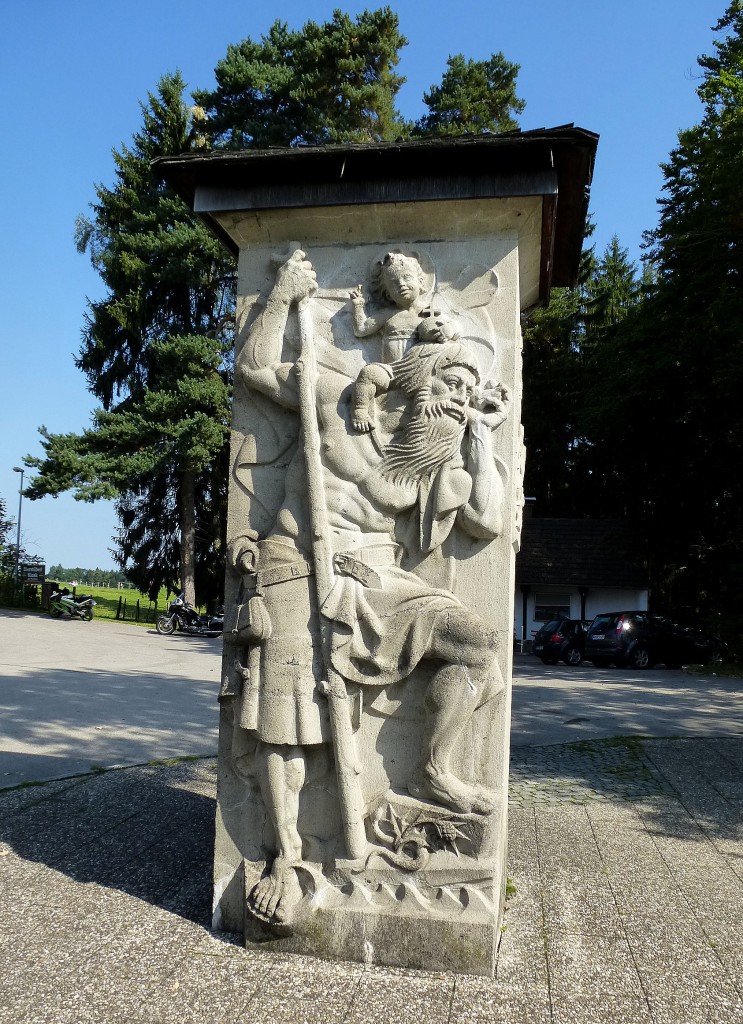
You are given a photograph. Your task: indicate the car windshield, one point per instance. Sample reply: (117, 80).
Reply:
(552, 626)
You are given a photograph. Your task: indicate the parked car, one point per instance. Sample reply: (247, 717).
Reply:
(638, 639)
(561, 640)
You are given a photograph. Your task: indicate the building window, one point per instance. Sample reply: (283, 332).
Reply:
(551, 606)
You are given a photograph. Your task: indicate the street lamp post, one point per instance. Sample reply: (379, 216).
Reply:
(17, 469)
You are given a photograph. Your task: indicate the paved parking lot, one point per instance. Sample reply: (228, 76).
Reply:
(78, 696)
(557, 704)
(624, 854)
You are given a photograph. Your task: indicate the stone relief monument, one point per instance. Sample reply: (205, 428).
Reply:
(374, 516)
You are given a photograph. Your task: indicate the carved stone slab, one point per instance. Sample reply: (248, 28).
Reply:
(374, 511)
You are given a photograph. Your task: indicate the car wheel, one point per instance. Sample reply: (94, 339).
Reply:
(601, 662)
(639, 658)
(573, 656)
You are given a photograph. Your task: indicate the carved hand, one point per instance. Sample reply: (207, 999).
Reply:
(357, 295)
(243, 553)
(491, 396)
(296, 279)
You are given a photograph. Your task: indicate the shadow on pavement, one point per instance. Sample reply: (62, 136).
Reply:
(57, 722)
(683, 787)
(143, 831)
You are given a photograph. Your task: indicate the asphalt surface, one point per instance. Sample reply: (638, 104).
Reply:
(79, 696)
(556, 704)
(625, 855)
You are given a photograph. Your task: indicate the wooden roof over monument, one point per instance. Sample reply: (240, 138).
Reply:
(553, 163)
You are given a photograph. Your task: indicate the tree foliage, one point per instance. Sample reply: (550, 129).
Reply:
(9, 546)
(474, 96)
(88, 577)
(334, 82)
(665, 400)
(156, 354)
(7, 549)
(566, 346)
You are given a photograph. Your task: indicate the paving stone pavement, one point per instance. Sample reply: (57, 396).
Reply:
(626, 882)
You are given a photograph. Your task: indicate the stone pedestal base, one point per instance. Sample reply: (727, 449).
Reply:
(374, 920)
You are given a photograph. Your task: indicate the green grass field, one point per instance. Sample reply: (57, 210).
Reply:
(107, 602)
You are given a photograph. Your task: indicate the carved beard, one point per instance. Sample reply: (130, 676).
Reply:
(430, 439)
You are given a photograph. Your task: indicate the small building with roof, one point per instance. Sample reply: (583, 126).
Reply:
(577, 568)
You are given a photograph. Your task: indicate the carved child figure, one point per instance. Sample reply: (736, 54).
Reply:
(400, 280)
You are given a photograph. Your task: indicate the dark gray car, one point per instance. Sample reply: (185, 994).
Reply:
(561, 640)
(640, 640)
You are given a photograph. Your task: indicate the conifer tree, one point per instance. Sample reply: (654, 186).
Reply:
(474, 96)
(156, 354)
(669, 390)
(334, 82)
(156, 349)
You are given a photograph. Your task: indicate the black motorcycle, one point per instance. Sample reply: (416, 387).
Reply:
(181, 615)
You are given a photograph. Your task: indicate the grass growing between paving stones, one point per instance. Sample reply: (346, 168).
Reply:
(169, 762)
(732, 669)
(632, 768)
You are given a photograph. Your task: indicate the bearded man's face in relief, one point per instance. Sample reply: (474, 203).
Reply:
(433, 434)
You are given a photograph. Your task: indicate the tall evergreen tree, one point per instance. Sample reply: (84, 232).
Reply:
(7, 552)
(569, 355)
(156, 354)
(334, 82)
(474, 96)
(612, 290)
(670, 391)
(156, 347)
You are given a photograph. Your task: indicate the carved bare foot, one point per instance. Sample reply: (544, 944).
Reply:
(274, 898)
(362, 420)
(445, 788)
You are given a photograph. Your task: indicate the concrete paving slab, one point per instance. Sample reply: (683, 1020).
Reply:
(626, 860)
(115, 931)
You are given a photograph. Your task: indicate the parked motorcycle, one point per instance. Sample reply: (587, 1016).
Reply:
(181, 615)
(62, 602)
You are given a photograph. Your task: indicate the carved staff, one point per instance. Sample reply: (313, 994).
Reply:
(333, 686)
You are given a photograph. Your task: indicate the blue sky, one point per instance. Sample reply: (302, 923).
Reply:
(72, 73)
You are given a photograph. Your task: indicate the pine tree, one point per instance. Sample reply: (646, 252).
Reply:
(156, 354)
(7, 550)
(666, 403)
(474, 96)
(553, 371)
(612, 291)
(334, 82)
(156, 349)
